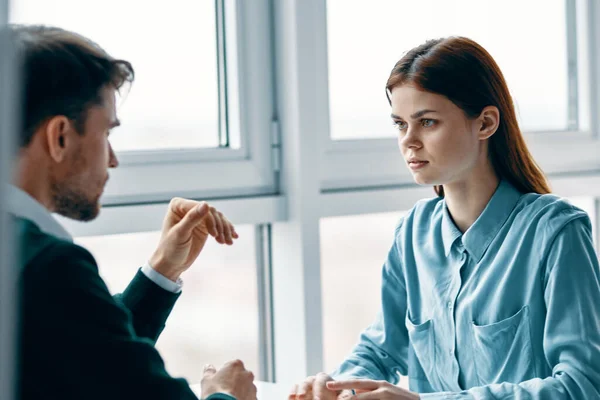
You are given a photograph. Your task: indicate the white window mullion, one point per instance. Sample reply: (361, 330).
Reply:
(266, 332)
(572, 62)
(591, 15)
(302, 114)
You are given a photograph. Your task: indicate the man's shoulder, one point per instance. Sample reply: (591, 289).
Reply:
(40, 249)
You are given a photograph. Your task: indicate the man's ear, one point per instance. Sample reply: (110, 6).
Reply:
(488, 122)
(56, 132)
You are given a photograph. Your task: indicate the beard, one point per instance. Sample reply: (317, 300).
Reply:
(71, 201)
(76, 195)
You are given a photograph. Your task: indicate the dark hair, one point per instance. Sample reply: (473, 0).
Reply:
(465, 73)
(62, 73)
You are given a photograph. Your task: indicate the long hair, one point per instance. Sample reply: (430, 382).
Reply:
(465, 73)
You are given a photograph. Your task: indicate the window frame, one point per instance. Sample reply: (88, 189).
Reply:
(348, 164)
(155, 176)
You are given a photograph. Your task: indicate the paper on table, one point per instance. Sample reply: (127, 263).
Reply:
(266, 391)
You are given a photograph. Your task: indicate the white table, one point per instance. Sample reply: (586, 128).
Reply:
(266, 391)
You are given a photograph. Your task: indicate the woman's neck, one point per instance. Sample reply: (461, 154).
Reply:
(467, 199)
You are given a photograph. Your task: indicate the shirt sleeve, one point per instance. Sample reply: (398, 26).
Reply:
(382, 348)
(161, 280)
(572, 329)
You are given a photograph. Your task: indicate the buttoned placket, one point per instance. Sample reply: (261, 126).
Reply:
(451, 375)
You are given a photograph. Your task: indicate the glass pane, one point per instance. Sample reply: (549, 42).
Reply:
(351, 262)
(366, 39)
(173, 103)
(216, 317)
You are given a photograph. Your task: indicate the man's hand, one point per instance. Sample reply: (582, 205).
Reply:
(186, 228)
(315, 387)
(373, 390)
(232, 379)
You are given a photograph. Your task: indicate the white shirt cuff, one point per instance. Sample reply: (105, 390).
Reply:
(162, 281)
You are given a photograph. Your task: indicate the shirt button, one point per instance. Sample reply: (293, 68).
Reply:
(449, 304)
(451, 351)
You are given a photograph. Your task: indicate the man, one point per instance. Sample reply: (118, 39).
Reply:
(76, 341)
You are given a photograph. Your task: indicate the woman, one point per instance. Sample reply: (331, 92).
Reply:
(492, 289)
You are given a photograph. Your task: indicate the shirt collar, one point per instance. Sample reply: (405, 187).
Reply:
(479, 236)
(22, 205)
(449, 230)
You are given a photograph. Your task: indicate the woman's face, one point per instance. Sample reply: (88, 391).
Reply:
(440, 144)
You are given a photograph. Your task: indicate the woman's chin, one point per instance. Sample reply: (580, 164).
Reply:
(427, 179)
(423, 181)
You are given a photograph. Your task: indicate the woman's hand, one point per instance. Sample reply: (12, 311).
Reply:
(315, 387)
(372, 390)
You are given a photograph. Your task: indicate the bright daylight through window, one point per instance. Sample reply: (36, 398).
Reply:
(174, 102)
(365, 39)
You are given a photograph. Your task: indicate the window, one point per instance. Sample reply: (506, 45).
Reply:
(365, 40)
(175, 101)
(191, 126)
(550, 67)
(351, 262)
(216, 317)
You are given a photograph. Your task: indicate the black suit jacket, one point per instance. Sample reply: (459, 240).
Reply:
(76, 340)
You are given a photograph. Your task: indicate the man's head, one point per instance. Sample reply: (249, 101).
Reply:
(68, 110)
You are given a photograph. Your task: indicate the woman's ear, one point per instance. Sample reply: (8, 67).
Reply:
(488, 122)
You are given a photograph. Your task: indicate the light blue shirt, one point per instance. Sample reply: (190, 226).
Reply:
(22, 205)
(508, 310)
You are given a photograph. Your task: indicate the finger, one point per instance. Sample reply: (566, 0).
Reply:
(211, 225)
(234, 233)
(193, 217)
(250, 376)
(293, 391)
(320, 387)
(227, 227)
(180, 206)
(234, 364)
(305, 389)
(356, 384)
(372, 395)
(219, 222)
(209, 370)
(345, 395)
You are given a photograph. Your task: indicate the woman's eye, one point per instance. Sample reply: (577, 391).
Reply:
(427, 123)
(400, 125)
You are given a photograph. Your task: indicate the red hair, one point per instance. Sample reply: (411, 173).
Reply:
(465, 73)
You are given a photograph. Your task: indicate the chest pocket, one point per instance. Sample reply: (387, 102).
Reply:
(421, 350)
(502, 350)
